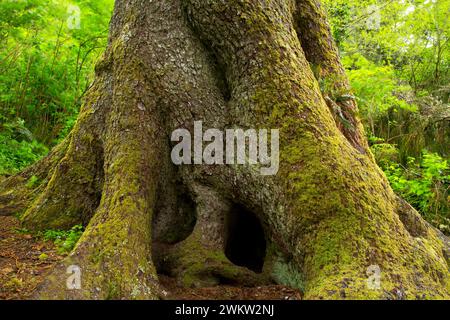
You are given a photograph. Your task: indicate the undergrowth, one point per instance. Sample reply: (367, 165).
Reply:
(65, 240)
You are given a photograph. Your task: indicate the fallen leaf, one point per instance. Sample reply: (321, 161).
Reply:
(7, 270)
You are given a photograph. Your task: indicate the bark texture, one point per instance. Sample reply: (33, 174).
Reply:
(328, 215)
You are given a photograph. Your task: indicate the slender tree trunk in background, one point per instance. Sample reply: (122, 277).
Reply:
(328, 215)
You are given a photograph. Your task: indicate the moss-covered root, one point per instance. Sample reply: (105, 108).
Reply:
(317, 42)
(200, 260)
(418, 227)
(196, 264)
(73, 191)
(369, 246)
(112, 257)
(113, 253)
(18, 191)
(410, 269)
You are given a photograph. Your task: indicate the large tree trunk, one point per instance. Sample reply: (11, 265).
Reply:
(329, 213)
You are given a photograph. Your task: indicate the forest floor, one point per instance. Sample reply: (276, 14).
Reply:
(25, 261)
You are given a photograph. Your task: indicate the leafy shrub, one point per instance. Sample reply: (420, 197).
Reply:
(18, 148)
(376, 88)
(424, 183)
(64, 240)
(410, 36)
(385, 153)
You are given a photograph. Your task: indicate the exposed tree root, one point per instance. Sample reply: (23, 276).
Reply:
(318, 45)
(114, 251)
(18, 191)
(73, 192)
(200, 259)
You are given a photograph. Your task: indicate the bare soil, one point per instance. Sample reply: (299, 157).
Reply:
(25, 260)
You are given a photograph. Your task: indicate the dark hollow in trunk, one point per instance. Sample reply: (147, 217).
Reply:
(245, 239)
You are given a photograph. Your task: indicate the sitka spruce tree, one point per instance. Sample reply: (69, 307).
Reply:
(328, 216)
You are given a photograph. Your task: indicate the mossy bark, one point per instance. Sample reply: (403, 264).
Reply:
(329, 212)
(313, 30)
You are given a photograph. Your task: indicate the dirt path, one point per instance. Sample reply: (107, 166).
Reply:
(25, 260)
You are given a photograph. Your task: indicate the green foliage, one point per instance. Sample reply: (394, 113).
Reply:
(46, 65)
(385, 153)
(397, 57)
(18, 148)
(64, 240)
(375, 86)
(423, 183)
(43, 256)
(390, 110)
(411, 36)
